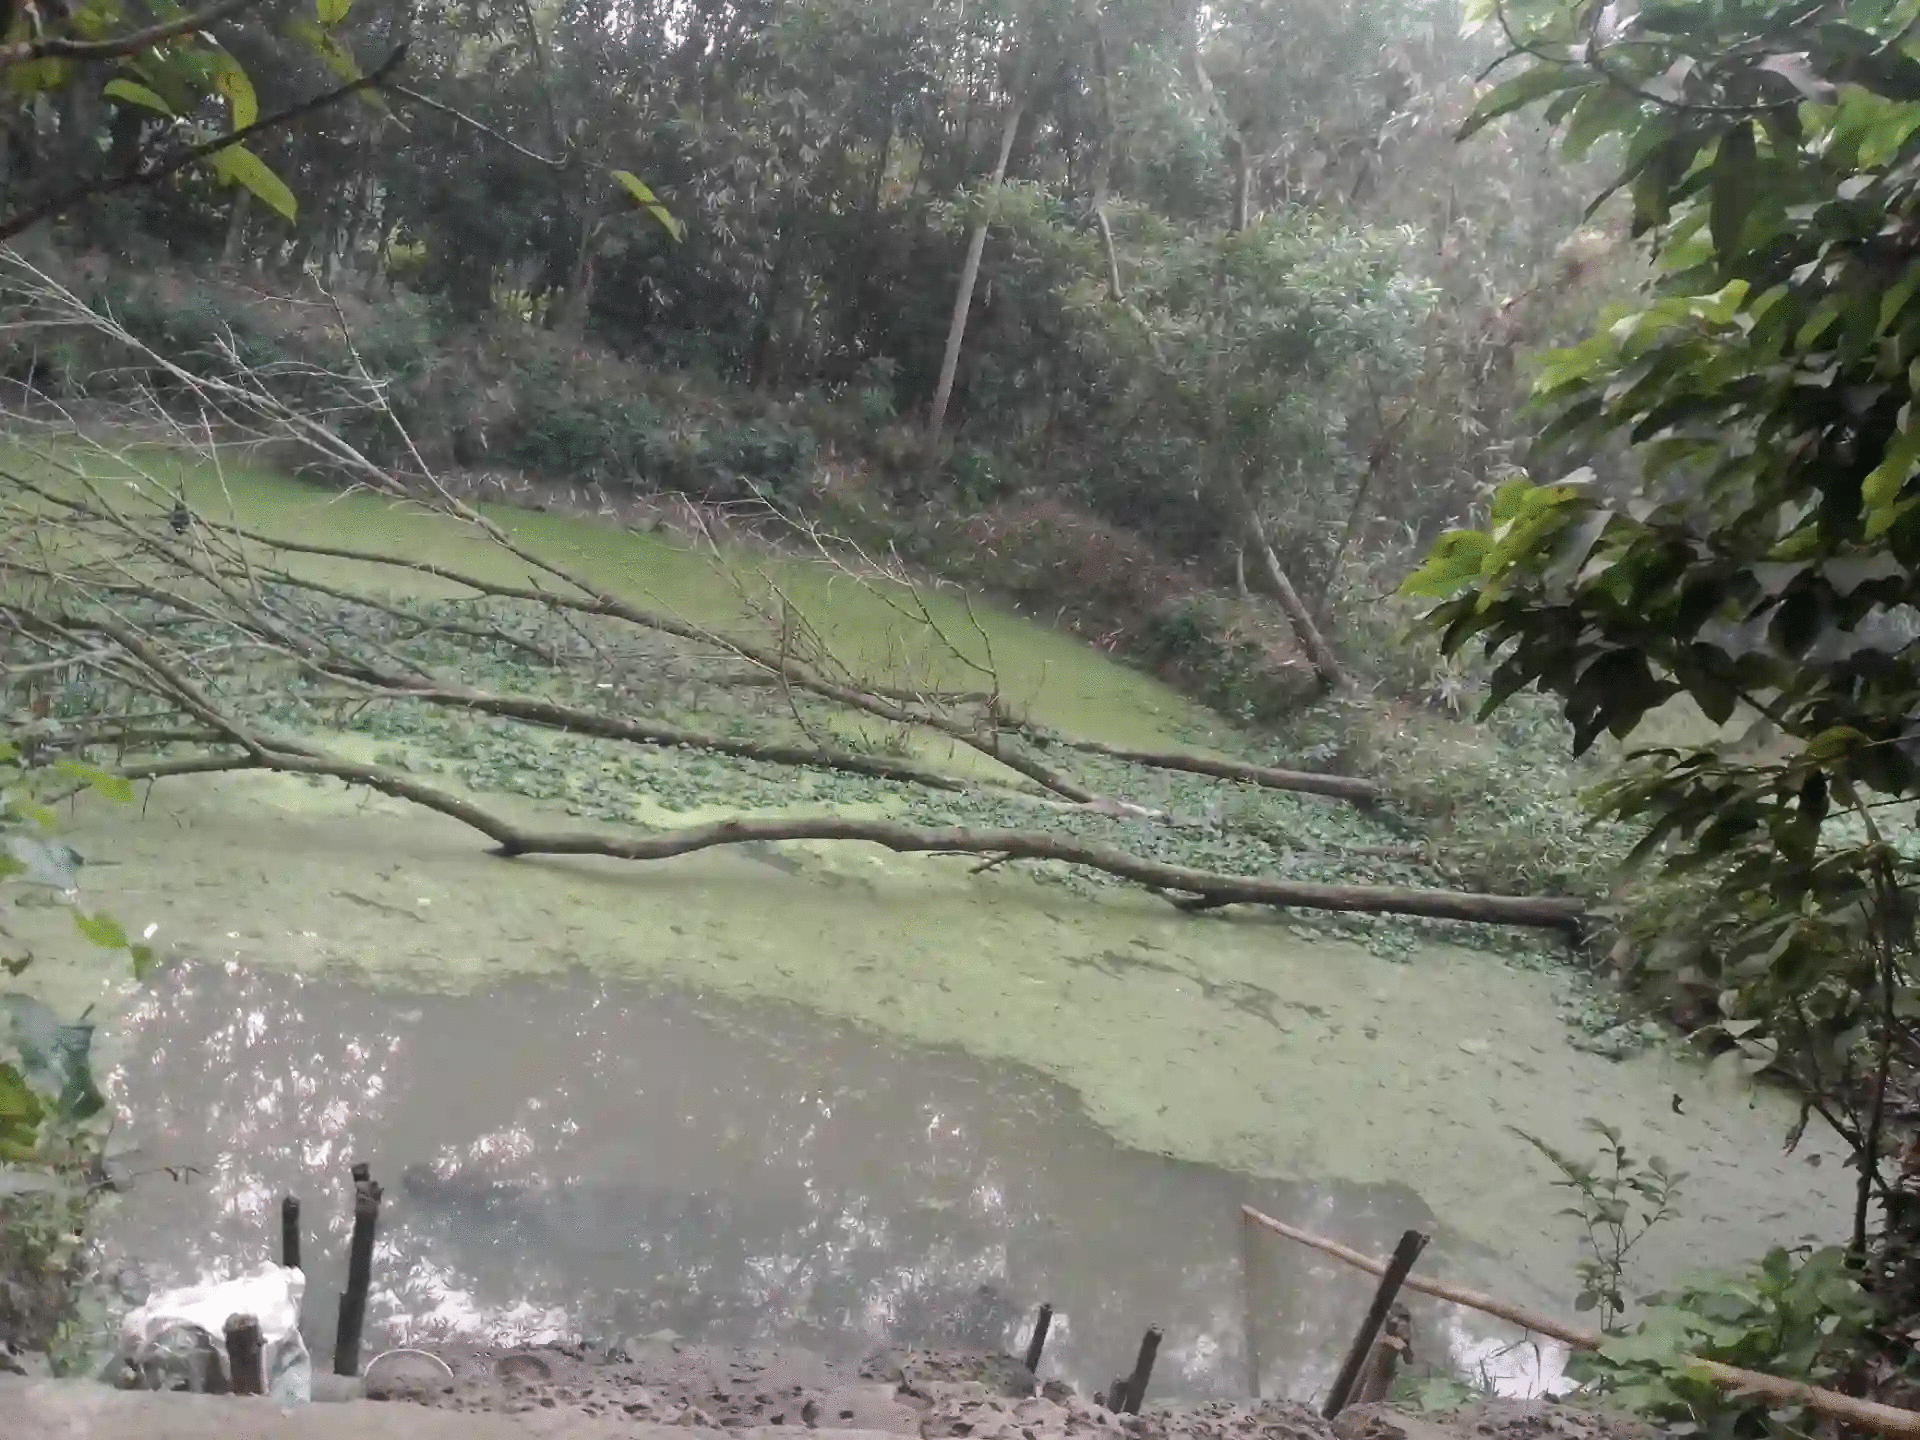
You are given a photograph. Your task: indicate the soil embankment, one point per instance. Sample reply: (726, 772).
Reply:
(662, 1390)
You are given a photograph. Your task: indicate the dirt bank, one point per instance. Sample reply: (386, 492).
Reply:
(930, 1394)
(662, 1390)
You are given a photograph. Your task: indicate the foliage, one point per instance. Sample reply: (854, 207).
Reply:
(781, 198)
(1799, 1314)
(53, 1141)
(1770, 564)
(1618, 1201)
(1501, 812)
(182, 80)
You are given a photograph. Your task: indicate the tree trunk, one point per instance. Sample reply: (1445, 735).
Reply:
(1213, 888)
(867, 256)
(963, 295)
(1267, 777)
(1238, 151)
(1103, 161)
(579, 301)
(235, 248)
(766, 333)
(1326, 664)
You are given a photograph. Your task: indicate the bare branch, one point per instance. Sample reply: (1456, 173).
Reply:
(463, 118)
(62, 47)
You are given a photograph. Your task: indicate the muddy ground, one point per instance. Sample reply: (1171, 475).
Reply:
(930, 1394)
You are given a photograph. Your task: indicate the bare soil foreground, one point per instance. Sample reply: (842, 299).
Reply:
(678, 1393)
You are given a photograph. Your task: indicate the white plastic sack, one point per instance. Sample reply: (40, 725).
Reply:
(170, 1328)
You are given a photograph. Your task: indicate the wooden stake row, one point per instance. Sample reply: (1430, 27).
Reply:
(353, 1300)
(1126, 1392)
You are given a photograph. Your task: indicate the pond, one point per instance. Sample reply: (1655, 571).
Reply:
(732, 1098)
(830, 1092)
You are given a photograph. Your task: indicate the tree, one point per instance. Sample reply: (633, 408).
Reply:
(169, 86)
(1769, 565)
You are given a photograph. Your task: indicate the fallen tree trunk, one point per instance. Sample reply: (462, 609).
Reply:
(1311, 782)
(1211, 888)
(1868, 1414)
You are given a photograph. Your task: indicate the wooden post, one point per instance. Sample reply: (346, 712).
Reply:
(1250, 1326)
(1142, 1369)
(1404, 1254)
(290, 1232)
(243, 1355)
(353, 1300)
(1038, 1343)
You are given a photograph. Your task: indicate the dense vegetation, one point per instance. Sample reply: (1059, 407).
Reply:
(1080, 303)
(1767, 560)
(1184, 325)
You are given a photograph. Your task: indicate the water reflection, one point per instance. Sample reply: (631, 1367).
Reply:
(585, 1157)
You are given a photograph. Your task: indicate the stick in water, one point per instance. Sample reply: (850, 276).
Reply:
(1868, 1414)
(1038, 1343)
(243, 1355)
(1404, 1254)
(1142, 1369)
(353, 1301)
(290, 1232)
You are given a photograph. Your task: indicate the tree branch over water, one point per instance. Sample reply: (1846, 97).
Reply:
(202, 624)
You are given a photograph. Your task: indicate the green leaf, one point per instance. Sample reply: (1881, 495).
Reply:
(102, 929)
(110, 786)
(55, 1056)
(238, 165)
(1829, 745)
(34, 77)
(1455, 559)
(1883, 484)
(131, 92)
(20, 1109)
(232, 83)
(1735, 189)
(331, 12)
(643, 197)
(1523, 90)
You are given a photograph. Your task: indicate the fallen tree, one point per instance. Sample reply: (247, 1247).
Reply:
(197, 626)
(512, 840)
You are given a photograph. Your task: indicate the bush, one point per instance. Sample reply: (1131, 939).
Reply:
(569, 432)
(1217, 650)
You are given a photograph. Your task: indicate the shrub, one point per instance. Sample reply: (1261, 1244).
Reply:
(1221, 652)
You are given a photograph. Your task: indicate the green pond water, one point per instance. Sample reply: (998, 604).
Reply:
(871, 627)
(957, 1093)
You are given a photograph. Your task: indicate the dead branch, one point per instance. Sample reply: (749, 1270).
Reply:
(570, 719)
(789, 670)
(1216, 888)
(209, 575)
(67, 48)
(1312, 782)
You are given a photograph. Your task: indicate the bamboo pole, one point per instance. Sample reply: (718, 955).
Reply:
(1868, 1414)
